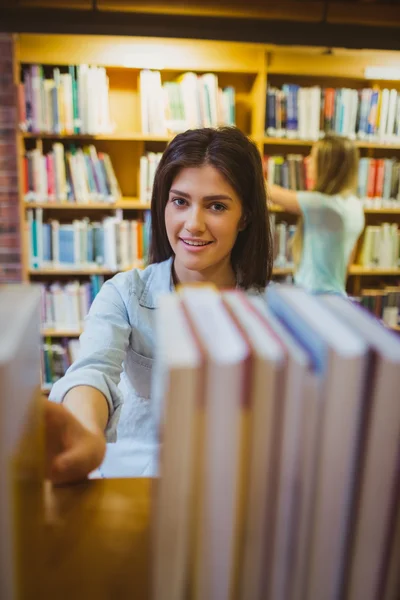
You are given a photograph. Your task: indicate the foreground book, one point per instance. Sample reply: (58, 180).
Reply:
(279, 420)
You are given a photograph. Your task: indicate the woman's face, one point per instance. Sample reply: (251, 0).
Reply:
(202, 218)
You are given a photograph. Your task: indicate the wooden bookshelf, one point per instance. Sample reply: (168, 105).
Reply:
(245, 66)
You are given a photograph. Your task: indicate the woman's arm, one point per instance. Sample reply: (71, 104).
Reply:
(286, 199)
(89, 390)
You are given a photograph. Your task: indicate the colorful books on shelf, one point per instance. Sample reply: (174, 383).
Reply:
(307, 113)
(282, 234)
(380, 246)
(78, 175)
(291, 171)
(379, 182)
(148, 165)
(69, 100)
(56, 357)
(277, 424)
(384, 303)
(189, 102)
(114, 243)
(64, 307)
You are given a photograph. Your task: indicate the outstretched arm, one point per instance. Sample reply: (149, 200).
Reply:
(286, 199)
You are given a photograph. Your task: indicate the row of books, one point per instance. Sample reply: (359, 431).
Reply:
(56, 357)
(113, 243)
(383, 303)
(148, 166)
(378, 179)
(190, 102)
(278, 422)
(282, 234)
(77, 176)
(73, 100)
(291, 172)
(310, 112)
(381, 246)
(64, 307)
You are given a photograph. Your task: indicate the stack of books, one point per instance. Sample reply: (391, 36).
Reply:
(78, 175)
(64, 307)
(309, 112)
(190, 102)
(113, 243)
(279, 428)
(72, 102)
(381, 246)
(56, 357)
(383, 303)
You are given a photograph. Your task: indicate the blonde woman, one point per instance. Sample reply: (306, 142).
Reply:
(331, 216)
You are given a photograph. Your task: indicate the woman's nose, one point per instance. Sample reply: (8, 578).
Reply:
(195, 222)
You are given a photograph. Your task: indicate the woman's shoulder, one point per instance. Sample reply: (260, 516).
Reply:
(141, 283)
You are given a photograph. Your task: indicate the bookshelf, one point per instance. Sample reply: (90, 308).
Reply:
(248, 68)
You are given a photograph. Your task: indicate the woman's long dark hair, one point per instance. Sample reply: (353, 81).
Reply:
(230, 152)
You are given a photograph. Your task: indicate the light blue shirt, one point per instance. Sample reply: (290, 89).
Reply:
(332, 225)
(116, 358)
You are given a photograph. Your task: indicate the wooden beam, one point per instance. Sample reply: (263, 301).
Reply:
(381, 15)
(287, 10)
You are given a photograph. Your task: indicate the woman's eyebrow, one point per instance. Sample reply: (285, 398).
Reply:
(207, 198)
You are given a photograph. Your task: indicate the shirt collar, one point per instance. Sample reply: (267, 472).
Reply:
(159, 282)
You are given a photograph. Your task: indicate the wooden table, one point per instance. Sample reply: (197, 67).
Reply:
(96, 541)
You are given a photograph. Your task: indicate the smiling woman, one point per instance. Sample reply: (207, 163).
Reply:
(210, 224)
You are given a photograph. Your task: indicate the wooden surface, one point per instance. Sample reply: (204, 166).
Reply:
(97, 540)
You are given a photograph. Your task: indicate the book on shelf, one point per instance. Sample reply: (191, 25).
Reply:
(383, 302)
(69, 100)
(113, 242)
(307, 113)
(282, 234)
(379, 182)
(147, 170)
(275, 435)
(291, 172)
(78, 175)
(56, 357)
(64, 307)
(190, 102)
(380, 246)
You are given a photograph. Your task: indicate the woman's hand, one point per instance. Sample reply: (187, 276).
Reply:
(72, 450)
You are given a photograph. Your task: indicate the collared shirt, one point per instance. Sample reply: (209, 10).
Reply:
(116, 357)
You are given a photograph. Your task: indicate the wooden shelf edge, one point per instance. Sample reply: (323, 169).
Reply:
(298, 142)
(60, 333)
(125, 204)
(358, 270)
(109, 137)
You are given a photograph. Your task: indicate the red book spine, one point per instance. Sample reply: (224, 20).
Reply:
(380, 173)
(50, 177)
(371, 178)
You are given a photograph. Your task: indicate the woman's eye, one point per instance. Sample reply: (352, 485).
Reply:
(218, 207)
(179, 202)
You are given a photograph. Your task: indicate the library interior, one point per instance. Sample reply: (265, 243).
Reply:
(242, 440)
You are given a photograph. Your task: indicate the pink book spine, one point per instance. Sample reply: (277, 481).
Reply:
(50, 177)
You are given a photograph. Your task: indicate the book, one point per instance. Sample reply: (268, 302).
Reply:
(21, 444)
(369, 114)
(287, 483)
(378, 453)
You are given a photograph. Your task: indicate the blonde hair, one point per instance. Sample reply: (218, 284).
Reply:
(336, 162)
